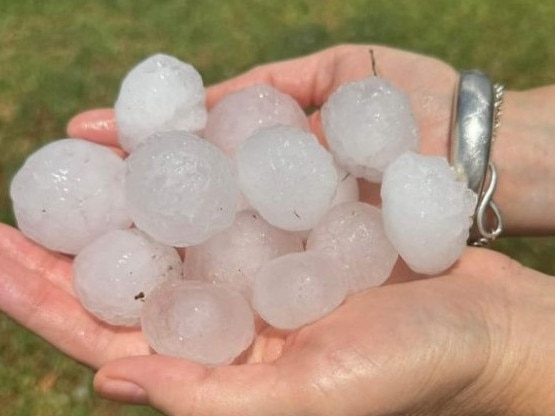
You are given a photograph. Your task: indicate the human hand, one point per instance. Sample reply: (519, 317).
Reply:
(442, 343)
(330, 367)
(348, 363)
(475, 341)
(36, 285)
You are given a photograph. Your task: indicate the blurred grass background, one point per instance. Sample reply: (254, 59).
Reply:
(60, 57)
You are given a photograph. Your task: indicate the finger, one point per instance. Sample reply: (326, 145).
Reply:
(97, 125)
(309, 80)
(177, 386)
(17, 248)
(35, 290)
(58, 317)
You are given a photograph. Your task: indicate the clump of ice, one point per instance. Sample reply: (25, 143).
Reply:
(367, 124)
(115, 274)
(160, 93)
(209, 324)
(180, 189)
(426, 211)
(352, 234)
(287, 176)
(235, 255)
(238, 115)
(68, 193)
(298, 288)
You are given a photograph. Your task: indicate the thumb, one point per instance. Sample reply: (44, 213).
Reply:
(97, 125)
(180, 387)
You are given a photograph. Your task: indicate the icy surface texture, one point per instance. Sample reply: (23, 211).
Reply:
(68, 193)
(180, 189)
(368, 123)
(298, 288)
(115, 273)
(426, 211)
(352, 234)
(205, 323)
(235, 255)
(160, 93)
(239, 114)
(287, 176)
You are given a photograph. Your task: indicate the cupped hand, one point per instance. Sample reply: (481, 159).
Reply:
(36, 289)
(471, 342)
(464, 342)
(414, 347)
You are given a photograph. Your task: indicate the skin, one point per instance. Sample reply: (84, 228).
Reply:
(477, 340)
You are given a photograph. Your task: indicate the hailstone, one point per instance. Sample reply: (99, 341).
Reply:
(116, 272)
(426, 211)
(352, 233)
(206, 323)
(367, 124)
(239, 114)
(235, 255)
(298, 288)
(160, 93)
(68, 193)
(180, 189)
(287, 176)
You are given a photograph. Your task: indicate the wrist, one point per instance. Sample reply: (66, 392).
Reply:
(523, 153)
(519, 378)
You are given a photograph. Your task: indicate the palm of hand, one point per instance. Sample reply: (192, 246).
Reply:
(36, 289)
(370, 344)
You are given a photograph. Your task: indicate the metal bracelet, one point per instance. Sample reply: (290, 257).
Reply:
(476, 114)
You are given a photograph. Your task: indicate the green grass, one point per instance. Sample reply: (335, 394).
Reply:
(60, 57)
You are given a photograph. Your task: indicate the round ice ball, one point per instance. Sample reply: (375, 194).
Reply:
(238, 115)
(206, 323)
(426, 211)
(287, 176)
(160, 93)
(115, 273)
(68, 193)
(352, 233)
(180, 189)
(298, 288)
(367, 124)
(235, 255)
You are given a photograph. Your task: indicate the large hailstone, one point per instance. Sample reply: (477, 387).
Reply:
(68, 193)
(115, 273)
(352, 233)
(298, 288)
(287, 176)
(206, 323)
(180, 189)
(367, 124)
(238, 115)
(426, 211)
(160, 93)
(235, 255)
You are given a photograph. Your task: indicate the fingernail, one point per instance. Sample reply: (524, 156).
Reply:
(122, 391)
